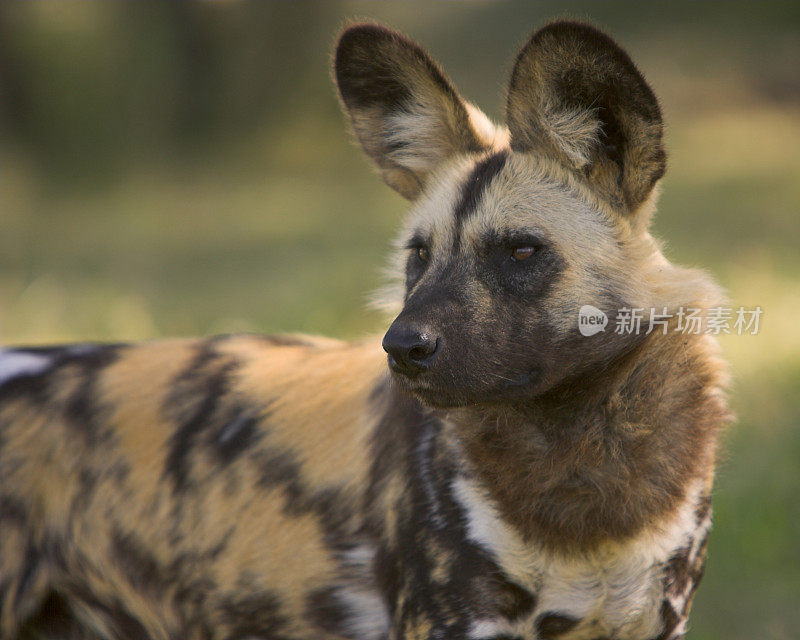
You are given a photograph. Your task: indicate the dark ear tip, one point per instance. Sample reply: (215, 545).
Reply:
(579, 34)
(371, 29)
(373, 63)
(569, 42)
(361, 36)
(590, 37)
(570, 28)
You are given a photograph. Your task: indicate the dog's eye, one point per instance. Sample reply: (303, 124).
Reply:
(422, 254)
(522, 253)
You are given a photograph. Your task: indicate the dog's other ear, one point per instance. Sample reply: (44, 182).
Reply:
(577, 96)
(404, 112)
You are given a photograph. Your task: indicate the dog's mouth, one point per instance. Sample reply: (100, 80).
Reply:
(522, 380)
(430, 392)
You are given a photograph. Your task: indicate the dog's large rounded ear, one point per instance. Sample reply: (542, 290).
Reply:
(577, 96)
(404, 112)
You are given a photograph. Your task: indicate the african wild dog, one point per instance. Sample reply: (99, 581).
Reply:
(509, 478)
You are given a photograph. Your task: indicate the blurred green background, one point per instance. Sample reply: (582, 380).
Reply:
(182, 168)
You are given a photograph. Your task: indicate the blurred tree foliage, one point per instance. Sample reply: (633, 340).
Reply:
(90, 88)
(86, 89)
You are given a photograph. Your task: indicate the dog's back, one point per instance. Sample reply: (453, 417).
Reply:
(159, 486)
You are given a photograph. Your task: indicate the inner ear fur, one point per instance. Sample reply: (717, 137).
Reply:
(577, 96)
(403, 110)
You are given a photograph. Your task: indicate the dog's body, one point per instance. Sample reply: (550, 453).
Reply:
(509, 478)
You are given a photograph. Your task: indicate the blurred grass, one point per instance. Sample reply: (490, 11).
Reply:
(277, 225)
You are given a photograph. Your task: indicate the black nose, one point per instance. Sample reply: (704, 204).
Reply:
(410, 349)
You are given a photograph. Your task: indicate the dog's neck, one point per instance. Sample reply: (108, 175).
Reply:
(607, 454)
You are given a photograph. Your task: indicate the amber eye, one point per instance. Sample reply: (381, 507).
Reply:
(422, 254)
(522, 253)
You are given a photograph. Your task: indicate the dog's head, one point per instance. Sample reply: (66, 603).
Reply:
(515, 228)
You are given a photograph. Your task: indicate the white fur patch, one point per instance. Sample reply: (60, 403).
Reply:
(16, 364)
(367, 616)
(615, 591)
(575, 132)
(485, 629)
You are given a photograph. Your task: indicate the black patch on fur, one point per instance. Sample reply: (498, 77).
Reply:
(12, 510)
(236, 436)
(514, 601)
(136, 561)
(54, 619)
(203, 384)
(82, 408)
(87, 481)
(671, 620)
(702, 510)
(476, 183)
(676, 571)
(278, 467)
(254, 615)
(325, 610)
(552, 625)
(34, 387)
(530, 279)
(42, 558)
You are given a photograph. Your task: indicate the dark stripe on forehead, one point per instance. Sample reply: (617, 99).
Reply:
(477, 182)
